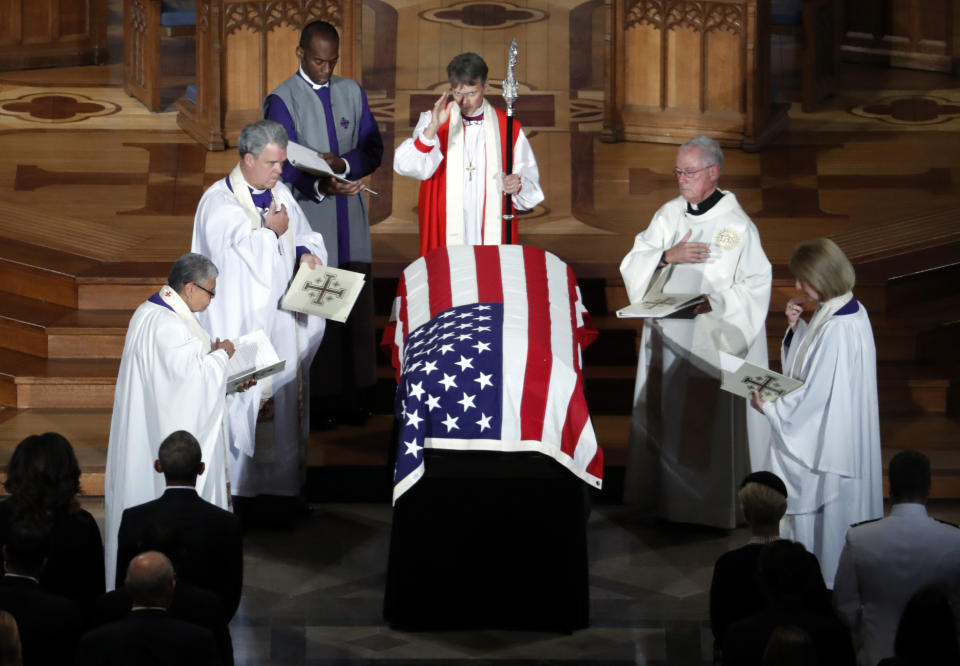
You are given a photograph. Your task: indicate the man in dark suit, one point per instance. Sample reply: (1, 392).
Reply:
(734, 593)
(49, 624)
(787, 582)
(207, 542)
(148, 635)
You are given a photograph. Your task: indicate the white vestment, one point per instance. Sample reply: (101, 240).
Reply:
(479, 175)
(169, 380)
(825, 443)
(255, 270)
(688, 439)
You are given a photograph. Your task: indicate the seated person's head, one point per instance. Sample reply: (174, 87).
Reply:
(763, 496)
(910, 477)
(784, 574)
(43, 476)
(179, 459)
(150, 580)
(927, 633)
(9, 640)
(26, 549)
(789, 645)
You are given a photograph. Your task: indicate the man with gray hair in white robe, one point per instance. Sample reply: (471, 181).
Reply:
(251, 226)
(172, 377)
(689, 439)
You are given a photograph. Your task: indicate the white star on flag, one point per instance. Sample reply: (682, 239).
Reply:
(484, 422)
(449, 382)
(484, 380)
(433, 401)
(481, 347)
(413, 449)
(429, 366)
(467, 402)
(446, 348)
(465, 336)
(451, 423)
(416, 390)
(464, 363)
(414, 419)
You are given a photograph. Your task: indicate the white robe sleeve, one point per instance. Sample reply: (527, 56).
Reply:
(525, 165)
(812, 424)
(640, 264)
(747, 300)
(409, 160)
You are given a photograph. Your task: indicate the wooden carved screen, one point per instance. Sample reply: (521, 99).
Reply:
(917, 34)
(678, 68)
(244, 50)
(52, 33)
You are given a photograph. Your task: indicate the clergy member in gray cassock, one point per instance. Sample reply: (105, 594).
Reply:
(330, 115)
(250, 225)
(689, 440)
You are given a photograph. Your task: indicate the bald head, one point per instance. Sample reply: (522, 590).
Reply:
(150, 580)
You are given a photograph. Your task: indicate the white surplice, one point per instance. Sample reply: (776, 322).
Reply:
(169, 380)
(255, 270)
(825, 443)
(689, 440)
(480, 179)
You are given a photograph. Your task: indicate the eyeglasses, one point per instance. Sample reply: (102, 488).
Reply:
(689, 173)
(466, 93)
(212, 293)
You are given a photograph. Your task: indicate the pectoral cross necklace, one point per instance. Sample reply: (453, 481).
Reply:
(475, 145)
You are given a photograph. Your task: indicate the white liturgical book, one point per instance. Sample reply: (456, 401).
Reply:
(308, 160)
(656, 304)
(661, 305)
(253, 358)
(743, 378)
(324, 291)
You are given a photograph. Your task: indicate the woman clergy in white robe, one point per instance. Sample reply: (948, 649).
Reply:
(172, 377)
(825, 441)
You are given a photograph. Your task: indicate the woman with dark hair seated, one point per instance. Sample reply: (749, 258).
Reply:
(43, 479)
(927, 633)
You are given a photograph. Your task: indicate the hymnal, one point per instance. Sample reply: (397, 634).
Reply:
(743, 378)
(253, 358)
(308, 160)
(323, 291)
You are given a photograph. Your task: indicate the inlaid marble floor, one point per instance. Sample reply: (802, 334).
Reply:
(313, 596)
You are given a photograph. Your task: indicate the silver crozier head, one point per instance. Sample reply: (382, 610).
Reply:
(510, 82)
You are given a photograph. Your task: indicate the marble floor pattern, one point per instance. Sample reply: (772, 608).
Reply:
(313, 596)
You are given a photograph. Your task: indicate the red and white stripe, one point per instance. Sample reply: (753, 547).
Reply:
(545, 329)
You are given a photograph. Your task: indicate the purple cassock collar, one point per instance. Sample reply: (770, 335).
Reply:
(260, 200)
(851, 307)
(156, 300)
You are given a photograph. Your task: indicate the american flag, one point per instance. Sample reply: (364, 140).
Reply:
(487, 345)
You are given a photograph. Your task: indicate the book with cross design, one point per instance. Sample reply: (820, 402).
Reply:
(742, 378)
(254, 358)
(324, 291)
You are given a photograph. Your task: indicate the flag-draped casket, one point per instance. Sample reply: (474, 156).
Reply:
(495, 444)
(487, 342)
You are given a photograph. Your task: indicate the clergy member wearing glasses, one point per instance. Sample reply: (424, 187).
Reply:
(457, 150)
(689, 440)
(172, 377)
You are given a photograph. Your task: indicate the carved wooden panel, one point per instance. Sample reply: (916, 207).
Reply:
(52, 33)
(682, 67)
(917, 34)
(255, 41)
